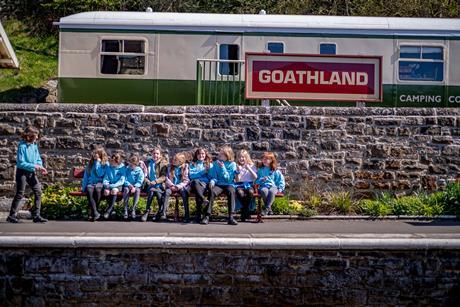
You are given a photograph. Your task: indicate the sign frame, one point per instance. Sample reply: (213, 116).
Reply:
(378, 89)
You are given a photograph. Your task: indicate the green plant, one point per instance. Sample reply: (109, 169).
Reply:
(374, 208)
(342, 202)
(451, 199)
(281, 205)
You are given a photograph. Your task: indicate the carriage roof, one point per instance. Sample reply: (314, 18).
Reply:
(257, 23)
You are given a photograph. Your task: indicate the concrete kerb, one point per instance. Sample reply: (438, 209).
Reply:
(356, 242)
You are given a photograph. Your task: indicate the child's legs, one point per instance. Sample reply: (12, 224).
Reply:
(268, 195)
(126, 193)
(152, 192)
(20, 189)
(184, 193)
(163, 201)
(213, 193)
(90, 195)
(230, 192)
(32, 181)
(98, 188)
(113, 199)
(137, 194)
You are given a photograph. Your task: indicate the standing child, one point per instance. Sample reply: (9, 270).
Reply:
(222, 176)
(92, 180)
(199, 180)
(28, 162)
(270, 181)
(178, 181)
(113, 181)
(157, 167)
(134, 177)
(246, 174)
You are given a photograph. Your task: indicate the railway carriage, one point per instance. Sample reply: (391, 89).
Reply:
(190, 58)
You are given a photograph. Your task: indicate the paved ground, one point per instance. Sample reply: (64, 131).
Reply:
(272, 228)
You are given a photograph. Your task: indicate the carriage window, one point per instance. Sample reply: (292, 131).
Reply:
(229, 52)
(275, 47)
(327, 48)
(421, 63)
(123, 57)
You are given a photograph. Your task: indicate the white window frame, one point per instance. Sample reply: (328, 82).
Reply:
(276, 42)
(328, 43)
(122, 38)
(421, 45)
(218, 57)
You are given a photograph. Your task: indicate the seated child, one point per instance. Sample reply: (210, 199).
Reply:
(157, 167)
(198, 174)
(270, 181)
(92, 180)
(113, 181)
(246, 174)
(178, 181)
(222, 176)
(134, 178)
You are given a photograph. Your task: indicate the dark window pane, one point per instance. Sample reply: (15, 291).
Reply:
(275, 47)
(410, 52)
(109, 64)
(327, 49)
(122, 64)
(111, 46)
(434, 53)
(421, 71)
(134, 46)
(228, 52)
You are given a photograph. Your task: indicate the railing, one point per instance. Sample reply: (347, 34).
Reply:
(221, 82)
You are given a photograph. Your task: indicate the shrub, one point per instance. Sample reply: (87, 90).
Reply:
(451, 199)
(374, 208)
(342, 202)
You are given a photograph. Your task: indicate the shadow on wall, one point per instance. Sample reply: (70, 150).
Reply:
(25, 94)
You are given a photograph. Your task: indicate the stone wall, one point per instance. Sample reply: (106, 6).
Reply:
(53, 276)
(365, 149)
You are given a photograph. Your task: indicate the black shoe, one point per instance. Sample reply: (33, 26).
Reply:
(232, 221)
(39, 219)
(160, 218)
(197, 219)
(144, 217)
(205, 220)
(12, 219)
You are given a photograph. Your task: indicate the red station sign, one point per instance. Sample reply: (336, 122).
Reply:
(314, 77)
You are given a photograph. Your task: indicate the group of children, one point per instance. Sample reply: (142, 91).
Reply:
(105, 177)
(199, 175)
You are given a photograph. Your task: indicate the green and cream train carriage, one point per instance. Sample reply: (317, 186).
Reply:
(181, 58)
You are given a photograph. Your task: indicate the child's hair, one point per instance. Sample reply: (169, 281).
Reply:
(182, 158)
(156, 148)
(30, 132)
(228, 152)
(100, 151)
(134, 159)
(207, 157)
(116, 157)
(245, 154)
(271, 156)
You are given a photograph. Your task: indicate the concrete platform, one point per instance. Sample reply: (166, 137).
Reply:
(273, 234)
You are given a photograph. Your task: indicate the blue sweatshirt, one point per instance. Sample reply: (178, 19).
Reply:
(94, 175)
(114, 176)
(134, 177)
(28, 156)
(198, 171)
(274, 178)
(223, 175)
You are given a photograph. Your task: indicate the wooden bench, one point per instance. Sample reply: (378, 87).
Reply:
(78, 173)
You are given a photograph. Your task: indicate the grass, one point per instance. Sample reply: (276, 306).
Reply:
(37, 55)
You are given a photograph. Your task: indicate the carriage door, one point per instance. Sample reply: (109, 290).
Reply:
(220, 79)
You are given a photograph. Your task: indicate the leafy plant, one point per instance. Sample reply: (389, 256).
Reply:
(374, 208)
(342, 202)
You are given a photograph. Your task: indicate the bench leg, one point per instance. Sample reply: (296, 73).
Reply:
(176, 210)
(259, 210)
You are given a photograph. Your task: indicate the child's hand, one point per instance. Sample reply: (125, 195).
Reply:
(174, 188)
(106, 192)
(264, 178)
(132, 188)
(220, 163)
(43, 171)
